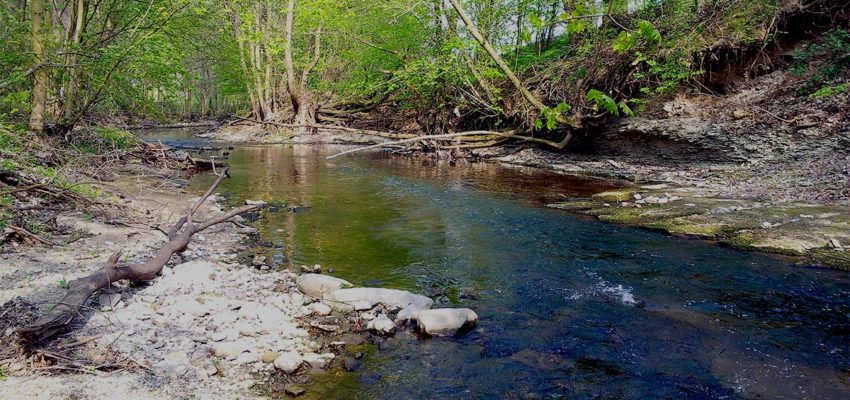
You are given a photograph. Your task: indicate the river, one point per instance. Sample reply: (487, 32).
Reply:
(569, 307)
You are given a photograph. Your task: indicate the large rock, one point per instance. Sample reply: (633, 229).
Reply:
(318, 285)
(445, 321)
(357, 298)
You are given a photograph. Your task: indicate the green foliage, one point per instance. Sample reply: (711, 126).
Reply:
(829, 91)
(63, 283)
(551, 116)
(645, 36)
(603, 101)
(823, 62)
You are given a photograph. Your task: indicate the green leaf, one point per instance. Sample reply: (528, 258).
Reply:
(623, 43)
(602, 100)
(624, 107)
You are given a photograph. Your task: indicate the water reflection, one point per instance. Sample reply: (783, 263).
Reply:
(569, 308)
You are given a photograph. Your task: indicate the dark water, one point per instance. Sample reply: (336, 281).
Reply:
(569, 307)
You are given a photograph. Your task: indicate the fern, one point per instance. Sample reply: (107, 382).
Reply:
(602, 100)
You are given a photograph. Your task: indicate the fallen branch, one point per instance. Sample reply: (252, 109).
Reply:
(508, 134)
(31, 236)
(80, 290)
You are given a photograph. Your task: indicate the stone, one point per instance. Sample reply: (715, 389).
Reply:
(320, 309)
(193, 273)
(318, 361)
(288, 362)
(381, 325)
(255, 202)
(225, 318)
(356, 298)
(174, 364)
(245, 358)
(231, 350)
(351, 364)
(445, 321)
(246, 328)
(248, 231)
(317, 285)
(638, 196)
(109, 299)
(268, 356)
(311, 269)
(294, 390)
(259, 260)
(613, 196)
(407, 314)
(834, 243)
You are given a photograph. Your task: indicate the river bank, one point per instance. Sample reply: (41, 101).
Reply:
(220, 320)
(758, 168)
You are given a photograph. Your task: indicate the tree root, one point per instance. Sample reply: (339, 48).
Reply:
(79, 290)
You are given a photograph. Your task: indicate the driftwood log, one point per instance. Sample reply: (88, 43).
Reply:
(80, 290)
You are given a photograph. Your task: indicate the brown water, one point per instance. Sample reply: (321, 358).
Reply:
(569, 307)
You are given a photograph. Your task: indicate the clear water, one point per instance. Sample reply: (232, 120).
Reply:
(569, 307)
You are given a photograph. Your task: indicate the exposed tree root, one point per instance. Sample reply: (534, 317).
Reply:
(507, 134)
(79, 290)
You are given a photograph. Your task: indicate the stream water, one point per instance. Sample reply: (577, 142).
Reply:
(569, 307)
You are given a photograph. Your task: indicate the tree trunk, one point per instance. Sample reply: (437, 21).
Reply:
(39, 91)
(510, 74)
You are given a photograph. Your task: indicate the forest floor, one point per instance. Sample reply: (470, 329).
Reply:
(198, 330)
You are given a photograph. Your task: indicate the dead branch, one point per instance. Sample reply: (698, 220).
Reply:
(80, 290)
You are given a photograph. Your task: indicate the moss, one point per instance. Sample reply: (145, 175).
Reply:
(613, 196)
(573, 205)
(839, 259)
(641, 216)
(684, 226)
(743, 240)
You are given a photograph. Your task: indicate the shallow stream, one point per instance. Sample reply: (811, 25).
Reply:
(569, 307)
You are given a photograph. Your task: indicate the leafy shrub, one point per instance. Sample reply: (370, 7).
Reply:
(832, 58)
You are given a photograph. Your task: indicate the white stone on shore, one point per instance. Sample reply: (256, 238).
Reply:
(317, 285)
(288, 362)
(445, 321)
(381, 325)
(320, 309)
(318, 361)
(407, 314)
(356, 298)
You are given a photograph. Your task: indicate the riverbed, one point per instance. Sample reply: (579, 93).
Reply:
(569, 307)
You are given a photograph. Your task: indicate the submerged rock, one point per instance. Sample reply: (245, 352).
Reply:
(318, 285)
(358, 298)
(446, 321)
